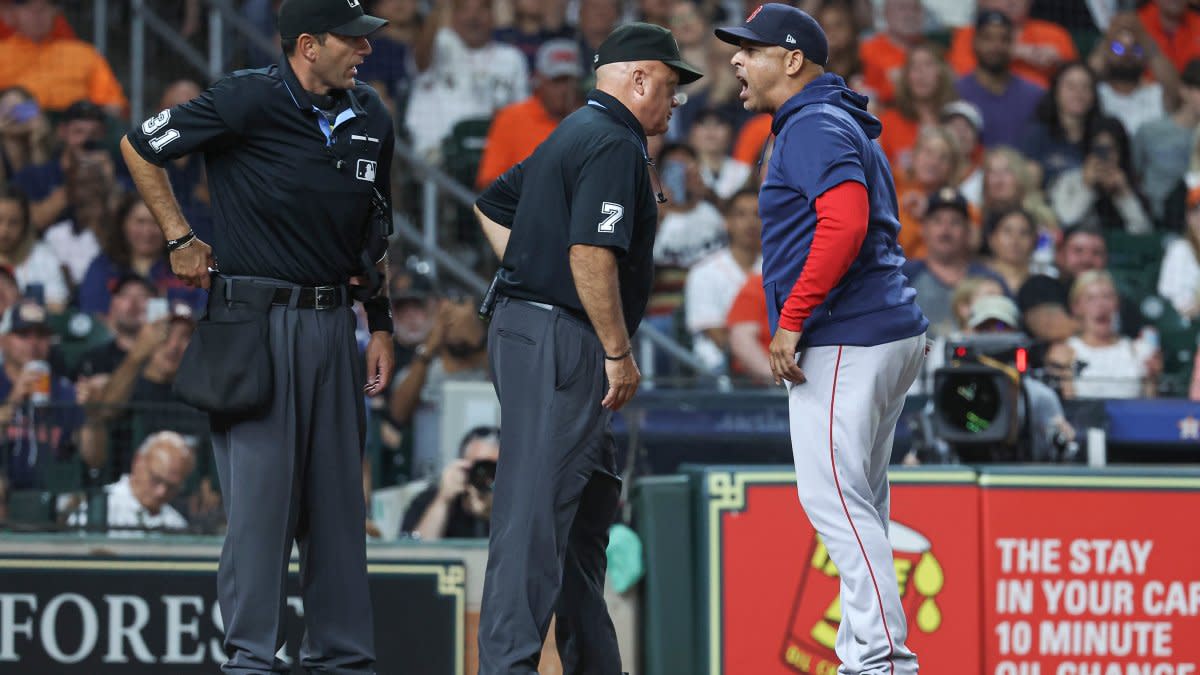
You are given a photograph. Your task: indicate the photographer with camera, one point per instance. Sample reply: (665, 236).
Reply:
(459, 506)
(1104, 190)
(971, 417)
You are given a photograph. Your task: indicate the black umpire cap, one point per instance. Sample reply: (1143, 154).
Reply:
(340, 17)
(781, 25)
(644, 42)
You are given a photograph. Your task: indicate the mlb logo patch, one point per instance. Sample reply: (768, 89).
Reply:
(352, 3)
(366, 170)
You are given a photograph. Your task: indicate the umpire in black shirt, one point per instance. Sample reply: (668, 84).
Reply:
(298, 158)
(574, 227)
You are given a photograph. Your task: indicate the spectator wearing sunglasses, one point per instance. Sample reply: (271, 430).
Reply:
(1122, 58)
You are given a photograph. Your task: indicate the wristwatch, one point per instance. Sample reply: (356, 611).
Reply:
(422, 354)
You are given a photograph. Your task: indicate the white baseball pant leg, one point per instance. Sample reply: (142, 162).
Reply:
(843, 419)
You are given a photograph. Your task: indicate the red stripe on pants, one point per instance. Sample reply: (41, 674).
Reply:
(837, 483)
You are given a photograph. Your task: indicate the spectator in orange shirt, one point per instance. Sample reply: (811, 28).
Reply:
(1175, 28)
(61, 30)
(1041, 47)
(752, 139)
(925, 86)
(519, 128)
(885, 54)
(56, 72)
(749, 331)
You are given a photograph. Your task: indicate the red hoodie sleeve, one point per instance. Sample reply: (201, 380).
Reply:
(842, 213)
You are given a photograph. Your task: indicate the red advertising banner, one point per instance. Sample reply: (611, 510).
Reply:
(773, 597)
(1091, 574)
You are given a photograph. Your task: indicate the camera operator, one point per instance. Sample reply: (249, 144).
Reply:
(460, 504)
(1044, 434)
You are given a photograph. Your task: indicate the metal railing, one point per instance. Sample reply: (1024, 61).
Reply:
(434, 182)
(435, 185)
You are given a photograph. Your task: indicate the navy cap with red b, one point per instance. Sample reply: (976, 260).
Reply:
(781, 25)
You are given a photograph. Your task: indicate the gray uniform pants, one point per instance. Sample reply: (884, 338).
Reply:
(296, 474)
(556, 494)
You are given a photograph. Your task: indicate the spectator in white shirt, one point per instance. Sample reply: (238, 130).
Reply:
(32, 261)
(141, 498)
(1179, 278)
(713, 282)
(462, 72)
(1122, 57)
(1109, 365)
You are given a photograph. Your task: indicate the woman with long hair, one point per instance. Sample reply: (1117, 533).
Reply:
(1010, 237)
(1063, 120)
(1179, 278)
(1104, 188)
(32, 262)
(841, 31)
(133, 245)
(935, 164)
(1010, 181)
(925, 86)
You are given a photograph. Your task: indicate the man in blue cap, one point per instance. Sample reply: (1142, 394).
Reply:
(848, 337)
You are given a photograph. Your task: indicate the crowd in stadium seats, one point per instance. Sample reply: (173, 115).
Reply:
(1042, 150)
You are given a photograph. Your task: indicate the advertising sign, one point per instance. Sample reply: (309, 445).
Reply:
(1091, 575)
(126, 617)
(774, 593)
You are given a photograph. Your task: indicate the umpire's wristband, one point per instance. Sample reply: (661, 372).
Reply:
(182, 242)
(379, 314)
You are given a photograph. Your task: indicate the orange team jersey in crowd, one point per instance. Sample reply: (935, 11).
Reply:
(912, 242)
(898, 138)
(515, 133)
(61, 30)
(1034, 32)
(59, 73)
(882, 59)
(750, 306)
(1181, 46)
(751, 139)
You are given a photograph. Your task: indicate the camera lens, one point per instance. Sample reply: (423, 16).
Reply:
(483, 475)
(969, 402)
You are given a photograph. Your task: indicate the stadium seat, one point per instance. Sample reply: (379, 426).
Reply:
(463, 149)
(1134, 261)
(1178, 337)
(30, 509)
(62, 475)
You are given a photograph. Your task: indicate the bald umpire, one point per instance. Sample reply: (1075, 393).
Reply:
(298, 159)
(574, 227)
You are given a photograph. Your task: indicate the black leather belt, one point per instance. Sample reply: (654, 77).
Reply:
(261, 294)
(313, 297)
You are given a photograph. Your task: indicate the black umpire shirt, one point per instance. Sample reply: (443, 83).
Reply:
(291, 182)
(588, 183)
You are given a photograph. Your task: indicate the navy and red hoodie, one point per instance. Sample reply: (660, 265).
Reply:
(831, 263)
